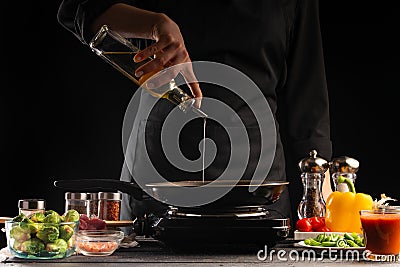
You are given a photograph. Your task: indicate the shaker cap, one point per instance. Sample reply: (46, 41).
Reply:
(313, 163)
(75, 195)
(110, 195)
(344, 164)
(33, 204)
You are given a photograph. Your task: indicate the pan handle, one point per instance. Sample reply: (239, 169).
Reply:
(80, 184)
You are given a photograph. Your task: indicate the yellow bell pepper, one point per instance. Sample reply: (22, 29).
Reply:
(342, 208)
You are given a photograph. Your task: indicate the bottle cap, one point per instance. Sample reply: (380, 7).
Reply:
(313, 163)
(344, 164)
(32, 204)
(76, 195)
(110, 195)
(93, 196)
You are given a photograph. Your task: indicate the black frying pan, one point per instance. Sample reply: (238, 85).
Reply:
(267, 193)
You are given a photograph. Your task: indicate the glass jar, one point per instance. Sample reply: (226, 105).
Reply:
(109, 206)
(313, 174)
(93, 199)
(76, 201)
(30, 206)
(312, 203)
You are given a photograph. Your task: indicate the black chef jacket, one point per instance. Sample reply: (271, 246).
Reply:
(277, 43)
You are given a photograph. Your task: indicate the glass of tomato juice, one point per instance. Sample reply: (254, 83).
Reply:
(381, 229)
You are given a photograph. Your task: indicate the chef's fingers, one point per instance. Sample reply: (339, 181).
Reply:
(153, 49)
(162, 59)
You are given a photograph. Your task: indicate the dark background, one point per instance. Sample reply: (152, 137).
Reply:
(62, 108)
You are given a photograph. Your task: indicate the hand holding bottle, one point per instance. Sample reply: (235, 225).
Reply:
(168, 50)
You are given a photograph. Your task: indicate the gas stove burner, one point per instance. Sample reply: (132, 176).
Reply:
(198, 226)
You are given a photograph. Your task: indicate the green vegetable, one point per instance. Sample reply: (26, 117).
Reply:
(335, 237)
(19, 234)
(19, 218)
(71, 216)
(66, 232)
(41, 232)
(352, 243)
(342, 243)
(70, 242)
(320, 237)
(32, 246)
(37, 217)
(49, 233)
(312, 242)
(52, 218)
(17, 245)
(336, 240)
(59, 245)
(348, 237)
(328, 244)
(30, 226)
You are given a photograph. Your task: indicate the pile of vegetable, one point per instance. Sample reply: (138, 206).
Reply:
(345, 240)
(312, 224)
(44, 234)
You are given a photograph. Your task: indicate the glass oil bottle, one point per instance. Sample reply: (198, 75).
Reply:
(119, 52)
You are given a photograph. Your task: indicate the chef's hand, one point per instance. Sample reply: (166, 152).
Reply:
(169, 49)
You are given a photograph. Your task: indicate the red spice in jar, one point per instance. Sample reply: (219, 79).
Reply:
(109, 206)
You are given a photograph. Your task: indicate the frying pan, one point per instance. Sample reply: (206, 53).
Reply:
(267, 193)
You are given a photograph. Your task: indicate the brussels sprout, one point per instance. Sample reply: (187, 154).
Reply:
(66, 232)
(19, 218)
(48, 212)
(48, 233)
(71, 216)
(32, 246)
(19, 234)
(59, 245)
(30, 226)
(37, 217)
(52, 218)
(70, 242)
(17, 245)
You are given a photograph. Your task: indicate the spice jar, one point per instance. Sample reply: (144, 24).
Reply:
(93, 199)
(109, 205)
(76, 201)
(346, 167)
(313, 173)
(30, 206)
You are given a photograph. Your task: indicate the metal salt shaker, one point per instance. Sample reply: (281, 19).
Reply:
(346, 167)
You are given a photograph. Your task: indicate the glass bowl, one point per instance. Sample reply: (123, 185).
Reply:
(98, 242)
(31, 240)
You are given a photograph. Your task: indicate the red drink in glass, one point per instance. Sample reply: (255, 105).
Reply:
(381, 229)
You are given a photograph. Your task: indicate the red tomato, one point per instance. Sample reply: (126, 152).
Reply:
(317, 222)
(323, 229)
(304, 225)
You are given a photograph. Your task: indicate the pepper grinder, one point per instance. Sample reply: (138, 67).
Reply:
(346, 167)
(313, 170)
